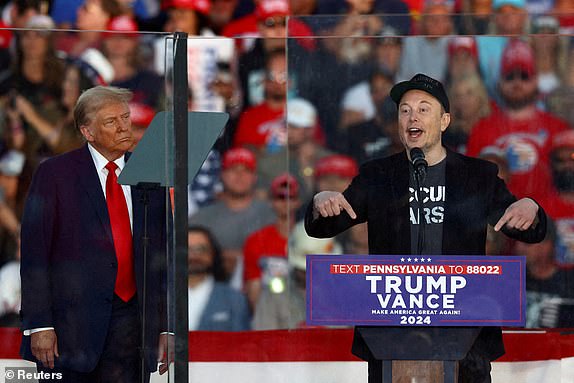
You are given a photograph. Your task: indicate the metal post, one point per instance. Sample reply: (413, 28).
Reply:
(180, 95)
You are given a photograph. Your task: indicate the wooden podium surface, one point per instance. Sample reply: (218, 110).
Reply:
(418, 371)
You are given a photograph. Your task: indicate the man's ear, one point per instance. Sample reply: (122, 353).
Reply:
(87, 133)
(444, 121)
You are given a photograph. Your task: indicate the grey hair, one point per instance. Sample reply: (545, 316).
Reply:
(93, 99)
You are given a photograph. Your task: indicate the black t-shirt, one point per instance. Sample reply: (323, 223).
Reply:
(433, 193)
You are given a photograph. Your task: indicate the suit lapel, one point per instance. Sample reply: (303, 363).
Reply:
(89, 179)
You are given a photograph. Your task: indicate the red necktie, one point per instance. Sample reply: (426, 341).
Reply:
(121, 231)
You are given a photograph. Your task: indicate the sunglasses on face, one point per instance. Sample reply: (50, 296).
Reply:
(521, 75)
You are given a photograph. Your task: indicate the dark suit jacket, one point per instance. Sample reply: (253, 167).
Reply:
(475, 197)
(69, 266)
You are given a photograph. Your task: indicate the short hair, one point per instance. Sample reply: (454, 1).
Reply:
(96, 98)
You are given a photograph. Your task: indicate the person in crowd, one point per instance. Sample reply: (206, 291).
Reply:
(358, 21)
(475, 19)
(361, 101)
(93, 16)
(261, 128)
(265, 248)
(549, 52)
(20, 11)
(213, 304)
(340, 60)
(221, 13)
(141, 115)
(394, 13)
(65, 12)
(375, 137)
(237, 212)
(122, 49)
(12, 163)
(470, 103)
(518, 127)
(301, 153)
(212, 83)
(561, 101)
(388, 50)
(429, 51)
(549, 286)
(539, 7)
(560, 203)
(510, 23)
(380, 195)
(564, 11)
(281, 305)
(58, 137)
(81, 270)
(462, 58)
(210, 56)
(266, 35)
(38, 74)
(335, 172)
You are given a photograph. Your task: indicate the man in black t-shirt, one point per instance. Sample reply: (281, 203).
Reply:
(460, 196)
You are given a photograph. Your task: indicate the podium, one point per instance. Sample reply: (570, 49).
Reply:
(417, 316)
(425, 354)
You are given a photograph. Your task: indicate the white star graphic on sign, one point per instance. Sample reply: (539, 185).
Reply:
(408, 259)
(416, 259)
(429, 260)
(422, 259)
(402, 259)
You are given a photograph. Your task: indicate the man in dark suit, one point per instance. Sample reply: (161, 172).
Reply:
(460, 196)
(82, 256)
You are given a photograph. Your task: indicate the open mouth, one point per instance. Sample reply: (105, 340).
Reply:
(414, 132)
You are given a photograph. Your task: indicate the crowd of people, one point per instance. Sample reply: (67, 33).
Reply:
(306, 84)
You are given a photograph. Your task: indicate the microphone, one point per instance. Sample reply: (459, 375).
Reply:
(419, 162)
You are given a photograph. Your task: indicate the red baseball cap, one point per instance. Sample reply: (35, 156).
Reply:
(336, 164)
(269, 8)
(239, 156)
(141, 114)
(463, 43)
(196, 5)
(124, 26)
(284, 185)
(518, 55)
(122, 23)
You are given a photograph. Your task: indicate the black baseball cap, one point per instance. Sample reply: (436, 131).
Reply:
(426, 84)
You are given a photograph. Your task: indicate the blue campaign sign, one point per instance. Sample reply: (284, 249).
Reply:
(383, 290)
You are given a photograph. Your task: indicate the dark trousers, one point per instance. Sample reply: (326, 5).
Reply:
(120, 361)
(474, 368)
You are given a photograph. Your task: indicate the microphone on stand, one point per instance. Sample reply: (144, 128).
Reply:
(419, 163)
